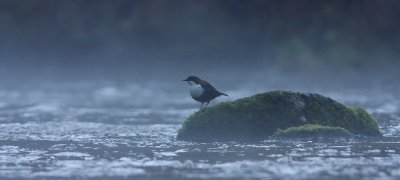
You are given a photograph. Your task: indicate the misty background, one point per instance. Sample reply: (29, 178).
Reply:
(92, 89)
(337, 43)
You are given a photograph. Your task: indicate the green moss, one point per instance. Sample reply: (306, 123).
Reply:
(259, 116)
(312, 130)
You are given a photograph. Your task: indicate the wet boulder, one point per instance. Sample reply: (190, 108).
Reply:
(260, 116)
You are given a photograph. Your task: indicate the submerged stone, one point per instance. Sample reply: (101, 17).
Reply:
(312, 130)
(259, 116)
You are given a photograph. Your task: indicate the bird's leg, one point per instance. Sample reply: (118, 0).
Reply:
(207, 104)
(197, 113)
(201, 107)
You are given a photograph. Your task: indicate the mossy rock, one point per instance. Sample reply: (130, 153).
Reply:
(259, 116)
(312, 130)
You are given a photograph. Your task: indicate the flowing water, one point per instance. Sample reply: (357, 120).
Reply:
(80, 131)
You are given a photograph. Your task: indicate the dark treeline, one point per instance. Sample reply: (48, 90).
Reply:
(125, 38)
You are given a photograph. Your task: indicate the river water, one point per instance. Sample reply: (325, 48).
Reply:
(103, 131)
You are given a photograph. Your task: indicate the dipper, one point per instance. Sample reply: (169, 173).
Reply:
(202, 91)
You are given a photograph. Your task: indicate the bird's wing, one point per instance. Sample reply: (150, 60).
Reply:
(208, 87)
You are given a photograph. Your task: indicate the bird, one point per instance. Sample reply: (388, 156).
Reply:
(202, 91)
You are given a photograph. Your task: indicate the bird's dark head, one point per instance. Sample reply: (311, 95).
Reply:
(194, 79)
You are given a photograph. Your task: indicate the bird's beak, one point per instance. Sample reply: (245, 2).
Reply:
(185, 80)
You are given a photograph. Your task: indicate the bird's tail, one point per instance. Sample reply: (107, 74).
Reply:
(222, 94)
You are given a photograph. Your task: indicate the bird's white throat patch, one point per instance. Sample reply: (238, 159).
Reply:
(196, 90)
(191, 83)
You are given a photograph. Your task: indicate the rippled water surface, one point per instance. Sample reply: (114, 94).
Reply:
(106, 132)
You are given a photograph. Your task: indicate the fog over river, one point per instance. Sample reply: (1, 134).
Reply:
(93, 89)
